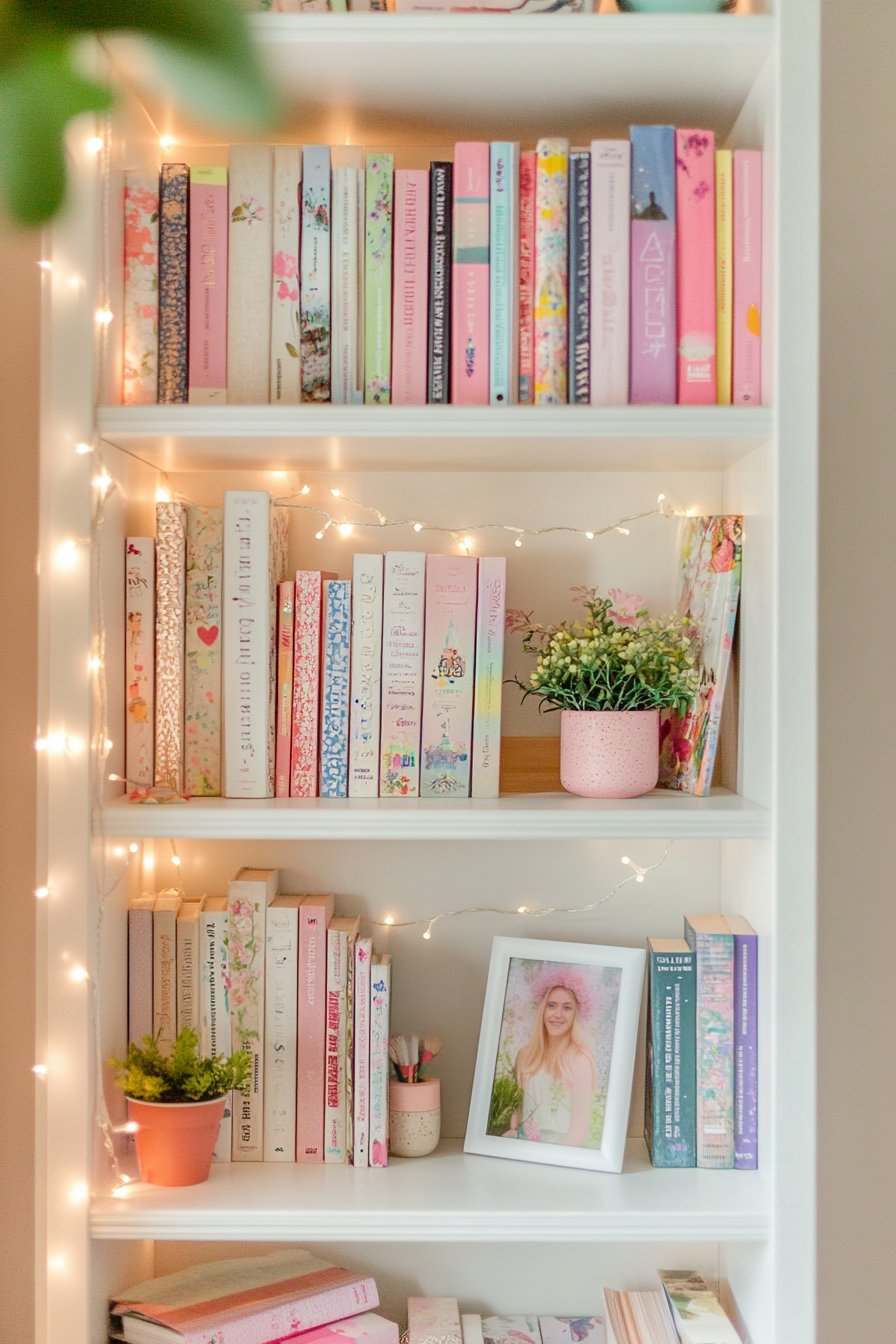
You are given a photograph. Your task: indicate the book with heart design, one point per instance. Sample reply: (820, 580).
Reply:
(202, 663)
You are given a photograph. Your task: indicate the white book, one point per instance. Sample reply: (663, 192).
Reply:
(341, 934)
(346, 355)
(366, 660)
(521, 1329)
(281, 978)
(315, 266)
(485, 771)
(164, 969)
(471, 1328)
(380, 1005)
(361, 1054)
(140, 936)
(404, 578)
(610, 248)
(171, 566)
(215, 1037)
(286, 380)
(249, 894)
(434, 1318)
(188, 955)
(140, 642)
(249, 265)
(697, 1313)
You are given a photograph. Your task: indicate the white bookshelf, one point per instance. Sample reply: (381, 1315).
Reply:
(498, 1235)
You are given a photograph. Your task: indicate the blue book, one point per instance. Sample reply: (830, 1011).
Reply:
(334, 691)
(504, 273)
(580, 276)
(670, 1100)
(746, 1044)
(653, 349)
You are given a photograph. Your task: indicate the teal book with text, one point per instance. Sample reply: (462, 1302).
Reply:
(670, 1116)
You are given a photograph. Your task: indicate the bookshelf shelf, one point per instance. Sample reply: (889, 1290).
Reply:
(449, 1197)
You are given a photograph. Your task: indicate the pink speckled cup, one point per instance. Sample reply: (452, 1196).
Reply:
(609, 753)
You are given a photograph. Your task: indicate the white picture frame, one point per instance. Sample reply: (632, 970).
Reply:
(565, 1052)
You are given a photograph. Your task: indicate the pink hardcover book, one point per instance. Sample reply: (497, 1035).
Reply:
(315, 913)
(368, 1328)
(470, 275)
(306, 683)
(611, 171)
(171, 552)
(527, 274)
(209, 226)
(361, 1054)
(448, 655)
(285, 653)
(747, 378)
(410, 307)
(695, 204)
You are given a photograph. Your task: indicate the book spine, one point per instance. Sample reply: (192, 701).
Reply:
(202, 649)
(249, 258)
(366, 660)
(315, 914)
(470, 275)
(653, 316)
(669, 1095)
(369, 1327)
(140, 971)
(140, 371)
(746, 1052)
(208, 286)
(140, 570)
(247, 641)
(715, 1031)
(285, 374)
(440, 212)
(380, 998)
(448, 658)
(247, 903)
(746, 381)
(280, 1032)
(278, 564)
(504, 167)
(169, 673)
(286, 592)
(306, 685)
(187, 974)
(489, 674)
(214, 1010)
(361, 1054)
(695, 207)
(315, 288)
(410, 306)
(580, 276)
(551, 292)
(402, 674)
(378, 187)
(431, 1318)
(164, 975)
(174, 187)
(345, 374)
(350, 1045)
(334, 692)
(338, 950)
(527, 277)
(724, 273)
(283, 1323)
(610, 251)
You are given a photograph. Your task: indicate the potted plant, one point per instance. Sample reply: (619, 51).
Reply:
(609, 675)
(176, 1101)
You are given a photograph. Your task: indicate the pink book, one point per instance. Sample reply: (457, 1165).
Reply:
(361, 1054)
(410, 297)
(285, 639)
(368, 1328)
(470, 275)
(315, 913)
(747, 378)
(695, 204)
(611, 171)
(527, 275)
(209, 226)
(306, 683)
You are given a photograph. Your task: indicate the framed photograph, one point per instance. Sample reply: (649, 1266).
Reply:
(556, 1052)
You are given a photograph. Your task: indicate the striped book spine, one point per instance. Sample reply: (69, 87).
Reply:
(174, 188)
(315, 262)
(410, 312)
(551, 291)
(580, 276)
(202, 645)
(440, 218)
(347, 346)
(140, 369)
(286, 382)
(724, 273)
(504, 273)
(746, 354)
(171, 545)
(610, 251)
(695, 207)
(249, 258)
(140, 571)
(366, 660)
(286, 592)
(653, 315)
(378, 187)
(470, 275)
(527, 277)
(489, 669)
(208, 286)
(334, 690)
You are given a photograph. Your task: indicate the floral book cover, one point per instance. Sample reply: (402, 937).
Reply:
(710, 588)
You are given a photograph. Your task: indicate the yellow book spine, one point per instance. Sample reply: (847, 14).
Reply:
(724, 287)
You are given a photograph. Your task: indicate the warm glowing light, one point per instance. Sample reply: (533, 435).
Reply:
(41, 893)
(78, 1193)
(94, 663)
(623, 531)
(102, 482)
(104, 316)
(590, 536)
(418, 527)
(75, 282)
(133, 847)
(522, 910)
(305, 490)
(639, 877)
(149, 862)
(54, 743)
(118, 852)
(108, 744)
(67, 554)
(390, 919)
(175, 859)
(116, 779)
(626, 859)
(318, 536)
(40, 1070)
(163, 495)
(690, 513)
(427, 935)
(130, 1128)
(79, 974)
(94, 144)
(337, 494)
(279, 475)
(166, 141)
(82, 448)
(57, 1263)
(518, 542)
(345, 529)
(660, 498)
(45, 265)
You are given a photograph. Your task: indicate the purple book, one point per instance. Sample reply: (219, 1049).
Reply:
(654, 354)
(746, 1046)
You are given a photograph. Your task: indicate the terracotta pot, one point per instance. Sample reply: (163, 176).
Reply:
(175, 1139)
(609, 753)
(415, 1117)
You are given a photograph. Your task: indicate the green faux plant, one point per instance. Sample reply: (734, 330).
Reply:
(184, 1075)
(507, 1097)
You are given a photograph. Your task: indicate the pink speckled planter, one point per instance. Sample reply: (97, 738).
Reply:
(609, 753)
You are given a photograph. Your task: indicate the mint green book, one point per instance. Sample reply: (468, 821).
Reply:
(379, 177)
(713, 943)
(670, 1116)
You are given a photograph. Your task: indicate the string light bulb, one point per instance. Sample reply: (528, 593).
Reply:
(104, 316)
(41, 893)
(83, 448)
(167, 141)
(94, 144)
(79, 974)
(418, 527)
(44, 265)
(102, 482)
(345, 529)
(66, 554)
(40, 1070)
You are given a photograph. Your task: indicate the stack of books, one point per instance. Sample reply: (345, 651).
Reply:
(621, 271)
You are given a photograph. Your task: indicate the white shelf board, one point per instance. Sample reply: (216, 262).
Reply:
(437, 438)
(547, 816)
(448, 1197)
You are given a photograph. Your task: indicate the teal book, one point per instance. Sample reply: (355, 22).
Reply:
(713, 943)
(670, 1115)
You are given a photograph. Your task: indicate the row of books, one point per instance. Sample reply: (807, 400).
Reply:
(292, 982)
(423, 6)
(701, 1101)
(243, 682)
(311, 274)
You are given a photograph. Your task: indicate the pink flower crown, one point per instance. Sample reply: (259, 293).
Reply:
(573, 978)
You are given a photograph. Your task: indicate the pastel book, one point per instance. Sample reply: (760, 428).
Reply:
(249, 894)
(140, 971)
(441, 198)
(380, 1007)
(746, 1043)
(378, 189)
(527, 277)
(286, 334)
(361, 1053)
(254, 1300)
(551, 288)
(651, 1315)
(342, 932)
(572, 1329)
(710, 581)
(140, 643)
(504, 328)
(404, 581)
(307, 630)
(521, 1329)
(653, 360)
(434, 1318)
(315, 913)
(619, 1318)
(209, 229)
(334, 689)
(315, 268)
(202, 651)
(580, 276)
(249, 266)
(281, 979)
(724, 273)
(214, 1004)
(347, 258)
(140, 318)
(712, 942)
(697, 1313)
(367, 1328)
(471, 1327)
(492, 7)
(164, 969)
(286, 596)
(746, 355)
(410, 298)
(365, 673)
(171, 559)
(470, 275)
(670, 1118)
(448, 675)
(174, 188)
(695, 207)
(488, 678)
(187, 945)
(610, 252)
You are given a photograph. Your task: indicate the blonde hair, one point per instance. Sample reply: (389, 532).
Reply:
(531, 1056)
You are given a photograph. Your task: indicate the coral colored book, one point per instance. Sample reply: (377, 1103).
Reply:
(695, 266)
(404, 580)
(249, 261)
(202, 651)
(470, 275)
(315, 913)
(551, 292)
(380, 1004)
(653, 317)
(281, 978)
(334, 687)
(441, 204)
(140, 935)
(174, 195)
(208, 286)
(249, 894)
(315, 268)
(341, 934)
(448, 657)
(214, 1004)
(246, 1301)
(724, 272)
(171, 551)
(286, 595)
(307, 630)
(712, 942)
(504, 330)
(378, 196)
(489, 668)
(610, 251)
(527, 276)
(140, 642)
(410, 267)
(361, 1054)
(140, 369)
(746, 382)
(746, 1043)
(366, 667)
(286, 378)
